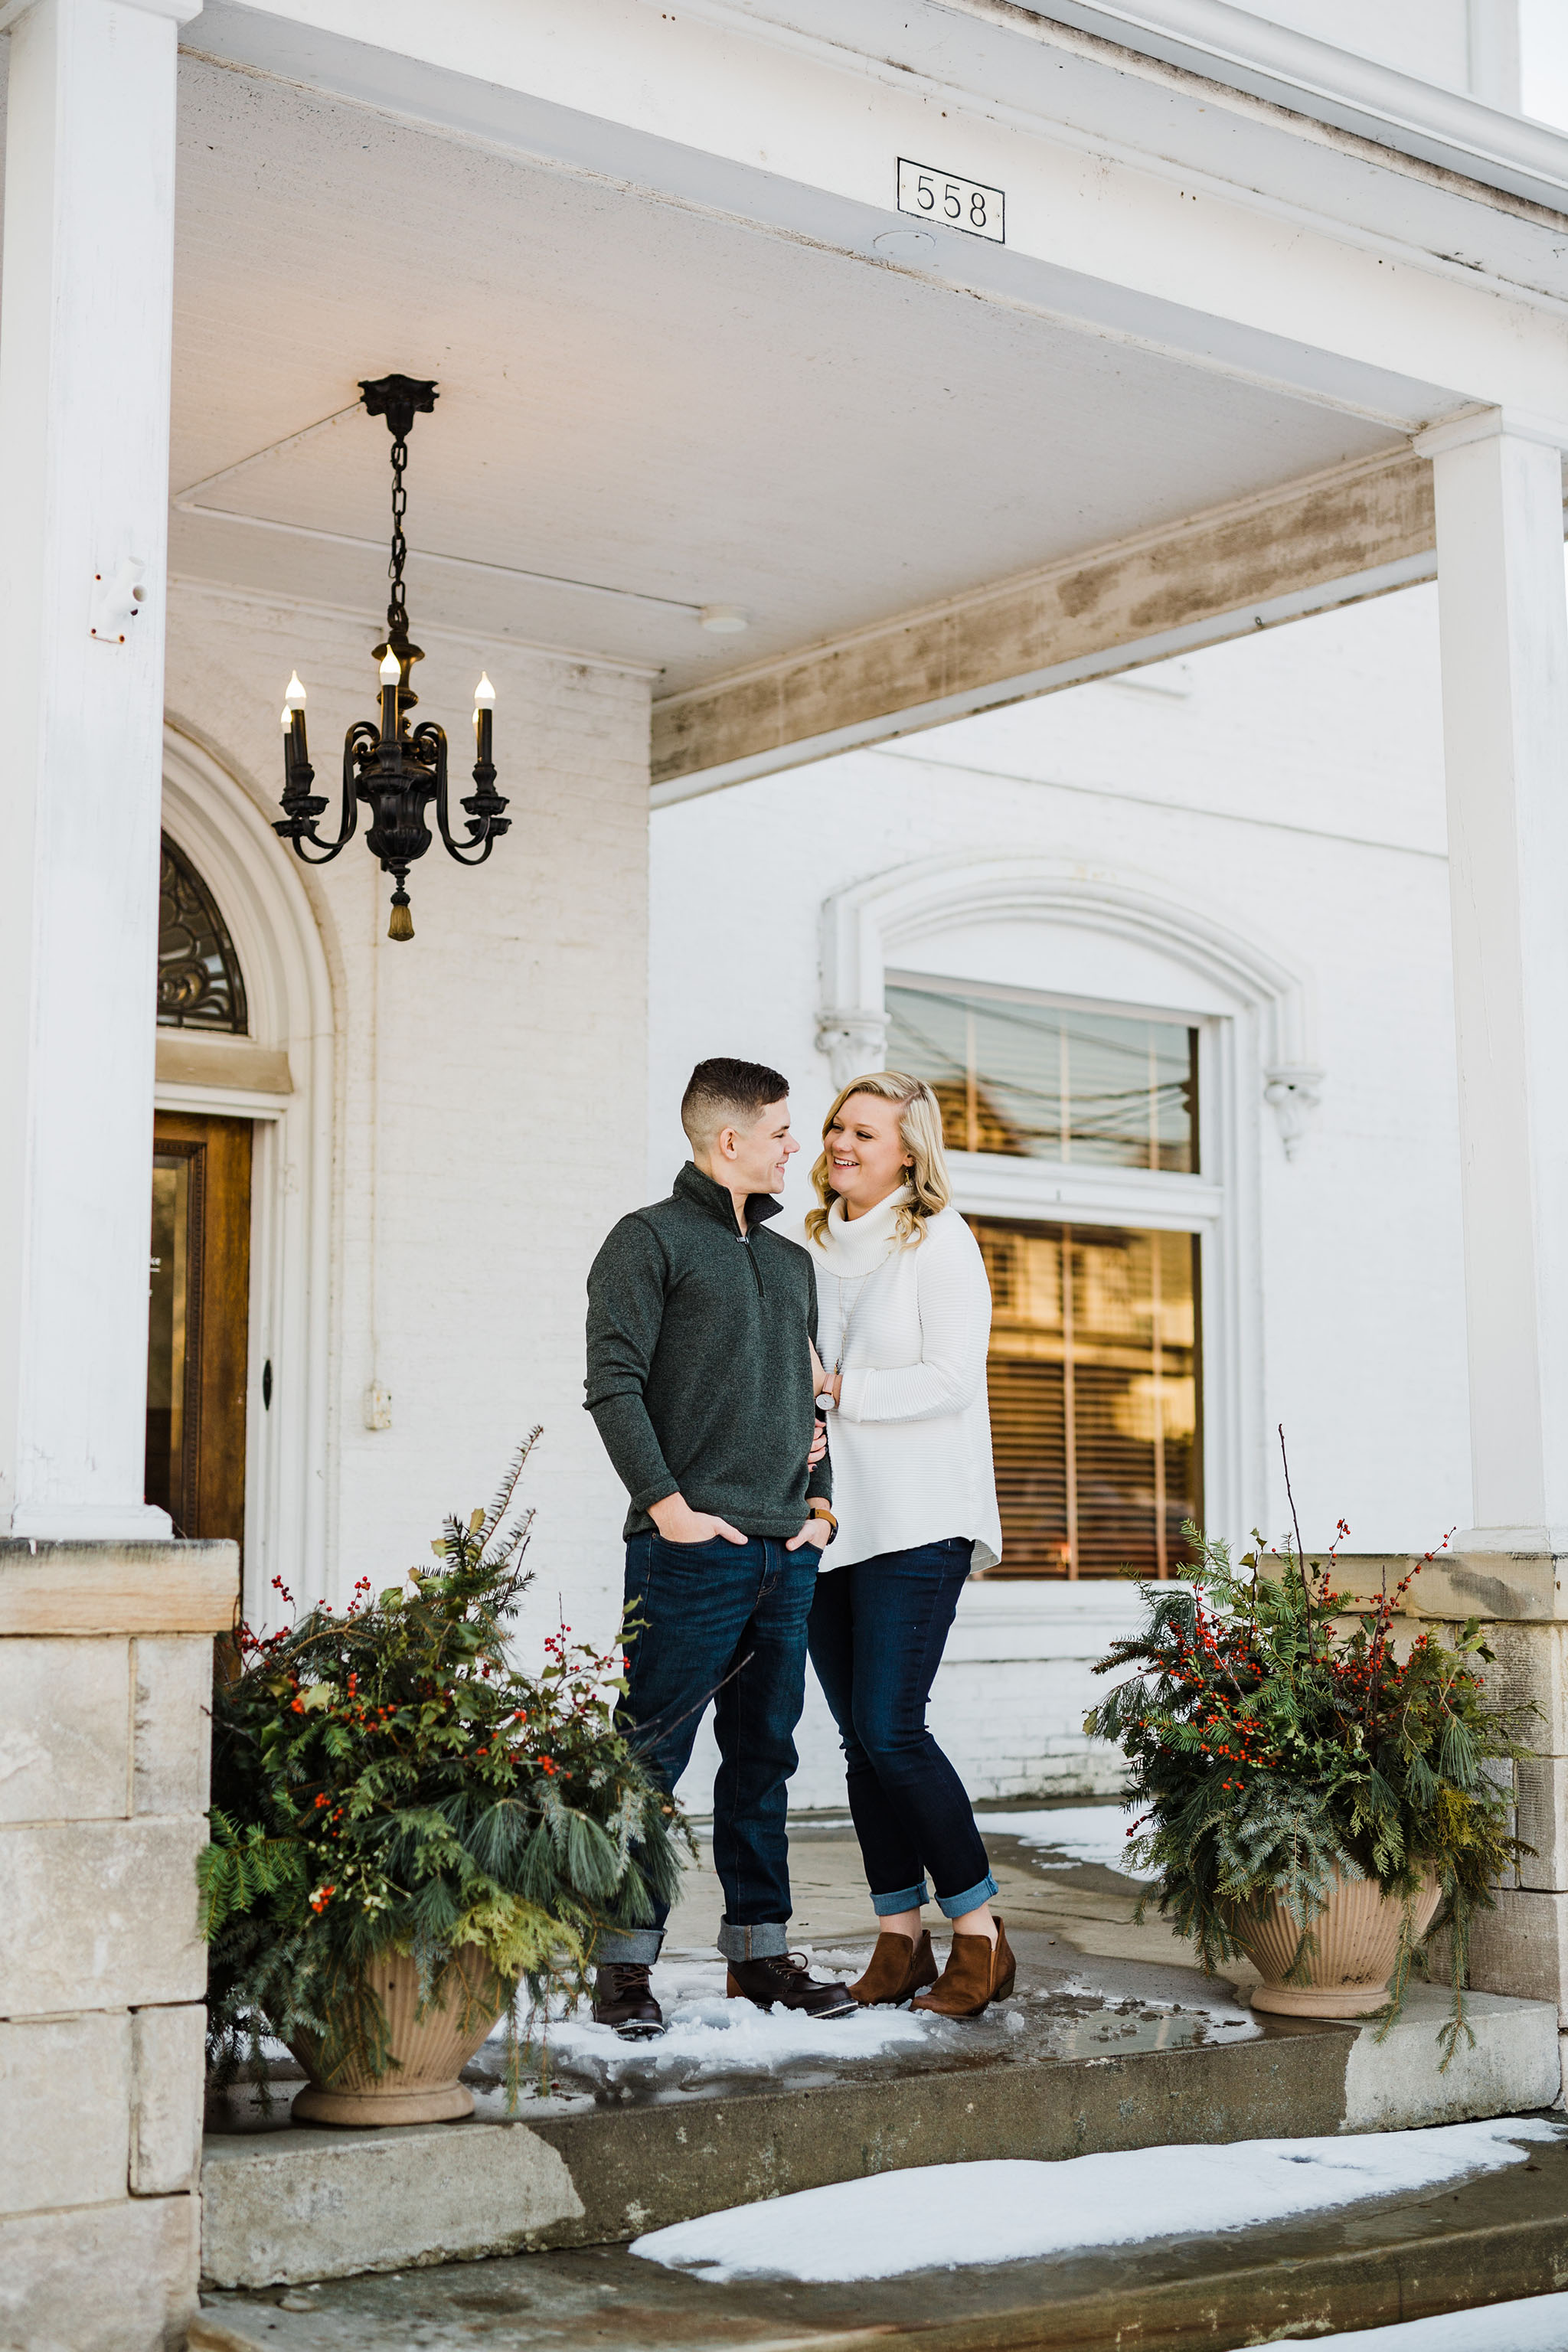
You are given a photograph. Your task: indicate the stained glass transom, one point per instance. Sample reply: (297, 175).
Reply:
(200, 985)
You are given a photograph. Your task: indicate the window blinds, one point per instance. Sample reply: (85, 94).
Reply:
(1095, 1378)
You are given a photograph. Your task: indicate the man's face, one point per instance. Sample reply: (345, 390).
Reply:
(757, 1156)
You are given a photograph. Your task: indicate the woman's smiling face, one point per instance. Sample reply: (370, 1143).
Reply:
(867, 1158)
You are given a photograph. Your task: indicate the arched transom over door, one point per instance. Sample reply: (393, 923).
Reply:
(199, 1289)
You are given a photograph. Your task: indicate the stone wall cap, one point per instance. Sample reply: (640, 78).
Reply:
(123, 1587)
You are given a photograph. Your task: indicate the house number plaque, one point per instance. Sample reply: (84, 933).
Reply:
(966, 204)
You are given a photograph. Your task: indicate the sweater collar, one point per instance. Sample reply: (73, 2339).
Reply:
(853, 1245)
(717, 1200)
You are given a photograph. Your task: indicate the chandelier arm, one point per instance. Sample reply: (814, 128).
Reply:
(430, 743)
(362, 736)
(304, 807)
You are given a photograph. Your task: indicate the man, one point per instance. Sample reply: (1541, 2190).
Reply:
(699, 1381)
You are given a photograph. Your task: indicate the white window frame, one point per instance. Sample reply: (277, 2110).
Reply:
(1251, 1014)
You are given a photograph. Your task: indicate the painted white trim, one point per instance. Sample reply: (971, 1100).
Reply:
(1264, 1028)
(289, 995)
(226, 1102)
(1489, 425)
(866, 924)
(1243, 50)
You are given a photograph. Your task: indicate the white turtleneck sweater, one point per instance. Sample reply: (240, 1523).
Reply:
(911, 1436)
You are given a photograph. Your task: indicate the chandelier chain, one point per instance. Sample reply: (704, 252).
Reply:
(396, 610)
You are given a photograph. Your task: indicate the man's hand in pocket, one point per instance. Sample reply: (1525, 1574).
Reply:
(679, 1523)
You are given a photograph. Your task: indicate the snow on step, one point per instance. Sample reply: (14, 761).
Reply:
(941, 2215)
(1537, 2324)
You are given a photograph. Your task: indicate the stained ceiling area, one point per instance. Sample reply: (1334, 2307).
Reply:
(644, 409)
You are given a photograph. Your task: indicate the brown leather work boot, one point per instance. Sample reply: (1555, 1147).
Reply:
(623, 1998)
(977, 1973)
(787, 1980)
(900, 1967)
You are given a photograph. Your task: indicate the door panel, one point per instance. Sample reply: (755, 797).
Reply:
(198, 1323)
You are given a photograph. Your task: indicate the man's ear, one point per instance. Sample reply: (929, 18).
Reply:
(725, 1142)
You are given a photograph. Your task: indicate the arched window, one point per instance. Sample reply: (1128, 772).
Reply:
(200, 985)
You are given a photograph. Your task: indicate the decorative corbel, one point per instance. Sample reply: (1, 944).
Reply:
(854, 1042)
(1293, 1091)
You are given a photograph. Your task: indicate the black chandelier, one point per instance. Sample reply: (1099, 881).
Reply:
(394, 769)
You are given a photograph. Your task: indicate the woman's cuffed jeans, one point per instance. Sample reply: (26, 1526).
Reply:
(877, 1634)
(722, 1621)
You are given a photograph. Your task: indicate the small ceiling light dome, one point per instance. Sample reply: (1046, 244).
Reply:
(905, 245)
(724, 620)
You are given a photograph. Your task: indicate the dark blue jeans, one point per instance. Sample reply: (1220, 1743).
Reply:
(877, 1631)
(703, 1609)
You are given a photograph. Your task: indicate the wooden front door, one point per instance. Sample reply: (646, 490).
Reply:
(198, 1323)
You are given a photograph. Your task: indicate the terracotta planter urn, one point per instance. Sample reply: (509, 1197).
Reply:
(1358, 1942)
(430, 2051)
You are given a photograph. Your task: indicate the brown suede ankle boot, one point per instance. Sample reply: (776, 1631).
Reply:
(976, 1974)
(900, 1966)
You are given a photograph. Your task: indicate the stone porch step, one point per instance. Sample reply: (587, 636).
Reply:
(1491, 2240)
(1069, 2068)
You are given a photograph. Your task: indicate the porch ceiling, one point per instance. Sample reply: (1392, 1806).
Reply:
(662, 404)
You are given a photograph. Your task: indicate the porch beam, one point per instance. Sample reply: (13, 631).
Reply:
(1332, 539)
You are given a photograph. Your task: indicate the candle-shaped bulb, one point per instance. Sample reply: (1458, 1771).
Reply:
(391, 669)
(288, 716)
(484, 694)
(294, 693)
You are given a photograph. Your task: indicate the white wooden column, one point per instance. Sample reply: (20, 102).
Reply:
(1504, 635)
(84, 324)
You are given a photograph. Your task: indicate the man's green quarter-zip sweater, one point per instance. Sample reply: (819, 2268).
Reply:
(699, 1368)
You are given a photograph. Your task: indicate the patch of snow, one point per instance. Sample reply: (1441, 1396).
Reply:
(708, 2033)
(943, 2215)
(1082, 1833)
(1537, 2324)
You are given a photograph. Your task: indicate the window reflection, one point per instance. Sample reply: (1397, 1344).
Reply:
(167, 1351)
(1030, 1080)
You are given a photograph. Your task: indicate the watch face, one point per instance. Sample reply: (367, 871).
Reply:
(825, 1403)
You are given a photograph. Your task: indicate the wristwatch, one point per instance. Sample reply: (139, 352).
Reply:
(816, 1509)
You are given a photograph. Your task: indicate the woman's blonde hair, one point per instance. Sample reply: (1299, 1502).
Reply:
(920, 1132)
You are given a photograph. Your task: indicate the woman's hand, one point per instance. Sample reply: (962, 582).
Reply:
(818, 1444)
(830, 1384)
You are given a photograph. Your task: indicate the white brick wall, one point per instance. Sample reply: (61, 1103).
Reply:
(1292, 792)
(1295, 791)
(490, 1078)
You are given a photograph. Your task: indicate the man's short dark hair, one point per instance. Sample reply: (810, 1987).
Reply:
(726, 1093)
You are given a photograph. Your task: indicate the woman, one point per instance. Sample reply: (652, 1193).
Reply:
(904, 1319)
